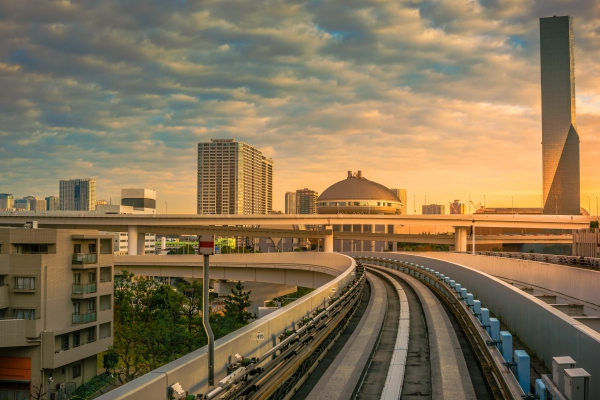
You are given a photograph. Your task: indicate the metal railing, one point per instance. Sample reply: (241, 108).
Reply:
(84, 288)
(577, 261)
(84, 318)
(85, 258)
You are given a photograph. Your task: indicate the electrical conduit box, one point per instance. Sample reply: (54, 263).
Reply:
(577, 384)
(495, 329)
(559, 364)
(523, 370)
(506, 339)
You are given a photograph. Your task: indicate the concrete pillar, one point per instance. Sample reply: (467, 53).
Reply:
(141, 244)
(163, 245)
(132, 240)
(351, 240)
(328, 241)
(372, 241)
(394, 246)
(460, 238)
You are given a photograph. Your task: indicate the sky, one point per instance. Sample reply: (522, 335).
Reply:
(441, 97)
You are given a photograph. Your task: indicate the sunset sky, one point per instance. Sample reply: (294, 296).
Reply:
(439, 97)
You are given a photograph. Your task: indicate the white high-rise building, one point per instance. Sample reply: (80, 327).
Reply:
(77, 194)
(290, 202)
(233, 178)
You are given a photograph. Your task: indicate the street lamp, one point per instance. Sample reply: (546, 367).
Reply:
(589, 207)
(415, 203)
(469, 204)
(166, 208)
(512, 202)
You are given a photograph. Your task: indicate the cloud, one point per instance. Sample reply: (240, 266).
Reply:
(440, 97)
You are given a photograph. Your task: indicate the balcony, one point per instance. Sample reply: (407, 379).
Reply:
(84, 318)
(14, 331)
(84, 288)
(67, 356)
(83, 258)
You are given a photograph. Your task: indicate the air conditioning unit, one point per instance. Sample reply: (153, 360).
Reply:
(60, 386)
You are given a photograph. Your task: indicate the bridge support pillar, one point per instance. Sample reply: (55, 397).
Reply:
(394, 246)
(141, 244)
(132, 240)
(328, 241)
(163, 246)
(372, 241)
(460, 238)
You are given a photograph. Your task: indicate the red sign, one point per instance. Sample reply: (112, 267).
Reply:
(206, 244)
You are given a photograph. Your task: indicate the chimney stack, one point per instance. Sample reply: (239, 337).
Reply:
(360, 174)
(349, 174)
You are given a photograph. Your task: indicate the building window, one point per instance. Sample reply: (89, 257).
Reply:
(64, 342)
(76, 371)
(92, 334)
(76, 339)
(91, 305)
(24, 314)
(25, 283)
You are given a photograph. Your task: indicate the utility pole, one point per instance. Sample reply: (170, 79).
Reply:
(206, 247)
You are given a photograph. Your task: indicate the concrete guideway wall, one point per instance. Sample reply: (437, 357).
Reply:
(578, 283)
(545, 330)
(191, 371)
(310, 269)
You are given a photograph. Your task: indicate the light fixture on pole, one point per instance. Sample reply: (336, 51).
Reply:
(589, 207)
(166, 208)
(512, 202)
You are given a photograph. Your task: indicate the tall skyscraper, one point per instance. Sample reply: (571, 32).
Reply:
(233, 178)
(52, 203)
(290, 202)
(77, 194)
(6, 201)
(401, 194)
(560, 140)
(306, 201)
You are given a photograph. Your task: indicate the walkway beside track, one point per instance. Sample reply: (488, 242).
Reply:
(450, 377)
(341, 378)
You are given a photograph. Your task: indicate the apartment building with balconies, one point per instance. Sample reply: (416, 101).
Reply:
(56, 296)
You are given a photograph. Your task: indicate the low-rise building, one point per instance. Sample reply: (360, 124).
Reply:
(586, 242)
(56, 297)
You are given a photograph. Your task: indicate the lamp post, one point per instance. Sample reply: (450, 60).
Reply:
(206, 247)
(589, 207)
(484, 201)
(415, 203)
(596, 207)
(166, 208)
(512, 202)
(469, 204)
(426, 210)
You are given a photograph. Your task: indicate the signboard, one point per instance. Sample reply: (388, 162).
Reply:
(217, 250)
(260, 336)
(206, 245)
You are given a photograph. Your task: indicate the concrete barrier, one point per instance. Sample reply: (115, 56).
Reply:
(542, 328)
(191, 370)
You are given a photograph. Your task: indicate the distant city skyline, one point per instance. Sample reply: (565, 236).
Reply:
(442, 100)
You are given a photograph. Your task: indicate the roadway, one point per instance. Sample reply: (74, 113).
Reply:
(149, 222)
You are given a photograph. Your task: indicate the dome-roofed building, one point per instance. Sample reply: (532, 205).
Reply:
(358, 195)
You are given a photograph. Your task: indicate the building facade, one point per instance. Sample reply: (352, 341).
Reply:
(306, 201)
(290, 202)
(35, 203)
(52, 203)
(586, 242)
(401, 194)
(21, 205)
(77, 194)
(457, 207)
(233, 178)
(433, 209)
(560, 139)
(56, 308)
(6, 201)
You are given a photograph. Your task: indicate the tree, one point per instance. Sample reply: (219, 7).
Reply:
(185, 249)
(38, 392)
(594, 224)
(110, 360)
(236, 305)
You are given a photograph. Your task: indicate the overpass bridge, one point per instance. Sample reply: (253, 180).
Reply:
(249, 225)
(407, 331)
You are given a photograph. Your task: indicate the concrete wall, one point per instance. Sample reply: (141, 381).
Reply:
(191, 370)
(545, 330)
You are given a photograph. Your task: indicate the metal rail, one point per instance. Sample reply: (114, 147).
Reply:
(265, 376)
(495, 380)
